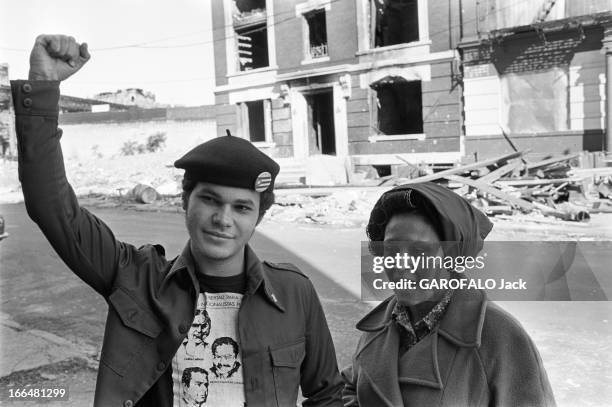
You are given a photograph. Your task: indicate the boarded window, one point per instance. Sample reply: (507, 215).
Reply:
(317, 34)
(535, 102)
(398, 107)
(393, 22)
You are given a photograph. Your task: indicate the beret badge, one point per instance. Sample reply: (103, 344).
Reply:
(263, 181)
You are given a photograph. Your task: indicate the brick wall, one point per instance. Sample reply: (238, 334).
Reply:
(540, 145)
(138, 115)
(441, 118)
(441, 104)
(341, 35)
(281, 129)
(227, 116)
(441, 14)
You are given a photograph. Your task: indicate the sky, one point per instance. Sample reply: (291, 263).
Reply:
(162, 46)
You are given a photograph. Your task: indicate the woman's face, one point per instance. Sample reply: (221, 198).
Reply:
(412, 233)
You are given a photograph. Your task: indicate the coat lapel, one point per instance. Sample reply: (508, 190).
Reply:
(420, 365)
(378, 360)
(378, 357)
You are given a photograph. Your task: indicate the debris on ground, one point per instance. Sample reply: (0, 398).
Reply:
(569, 187)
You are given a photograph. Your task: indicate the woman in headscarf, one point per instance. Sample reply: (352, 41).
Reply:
(439, 347)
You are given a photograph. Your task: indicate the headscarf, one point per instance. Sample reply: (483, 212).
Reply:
(452, 216)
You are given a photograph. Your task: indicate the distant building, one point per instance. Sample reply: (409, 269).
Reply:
(129, 97)
(73, 104)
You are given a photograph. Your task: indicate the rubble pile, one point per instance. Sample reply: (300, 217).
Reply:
(568, 187)
(340, 208)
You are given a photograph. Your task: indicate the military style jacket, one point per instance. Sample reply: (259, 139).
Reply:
(478, 355)
(283, 333)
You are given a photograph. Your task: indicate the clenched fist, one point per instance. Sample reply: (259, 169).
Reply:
(56, 57)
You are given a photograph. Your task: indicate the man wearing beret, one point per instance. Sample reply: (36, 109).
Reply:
(270, 311)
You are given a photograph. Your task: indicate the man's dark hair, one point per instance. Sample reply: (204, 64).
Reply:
(186, 379)
(224, 340)
(266, 198)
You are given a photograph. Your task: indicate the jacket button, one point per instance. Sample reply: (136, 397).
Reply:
(27, 102)
(161, 366)
(183, 328)
(26, 88)
(128, 403)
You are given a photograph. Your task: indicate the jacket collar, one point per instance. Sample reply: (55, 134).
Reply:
(256, 274)
(184, 262)
(378, 354)
(258, 278)
(462, 323)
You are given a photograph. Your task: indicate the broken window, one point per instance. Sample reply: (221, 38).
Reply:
(393, 22)
(398, 107)
(253, 47)
(250, 25)
(255, 120)
(535, 102)
(317, 34)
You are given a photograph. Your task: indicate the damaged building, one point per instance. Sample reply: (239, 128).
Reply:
(341, 84)
(352, 85)
(536, 71)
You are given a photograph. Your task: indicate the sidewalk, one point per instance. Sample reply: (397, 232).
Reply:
(40, 359)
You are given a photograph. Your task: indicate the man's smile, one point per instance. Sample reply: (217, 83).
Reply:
(219, 235)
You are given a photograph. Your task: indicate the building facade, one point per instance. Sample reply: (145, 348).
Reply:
(538, 71)
(350, 83)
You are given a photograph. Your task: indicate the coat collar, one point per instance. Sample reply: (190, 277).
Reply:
(462, 323)
(257, 276)
(378, 353)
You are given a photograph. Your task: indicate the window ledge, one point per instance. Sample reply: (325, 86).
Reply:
(264, 144)
(252, 71)
(397, 137)
(314, 60)
(311, 5)
(414, 44)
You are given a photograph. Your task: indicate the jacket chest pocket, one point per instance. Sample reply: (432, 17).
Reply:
(286, 361)
(130, 331)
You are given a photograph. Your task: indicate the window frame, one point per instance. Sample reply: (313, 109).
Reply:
(243, 122)
(301, 11)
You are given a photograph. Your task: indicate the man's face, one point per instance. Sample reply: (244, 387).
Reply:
(197, 391)
(224, 358)
(413, 233)
(221, 220)
(200, 328)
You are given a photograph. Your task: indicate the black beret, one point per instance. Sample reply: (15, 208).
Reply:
(230, 161)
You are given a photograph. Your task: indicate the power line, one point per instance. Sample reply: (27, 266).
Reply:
(276, 22)
(145, 44)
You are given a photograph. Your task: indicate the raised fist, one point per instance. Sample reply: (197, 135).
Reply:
(56, 57)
